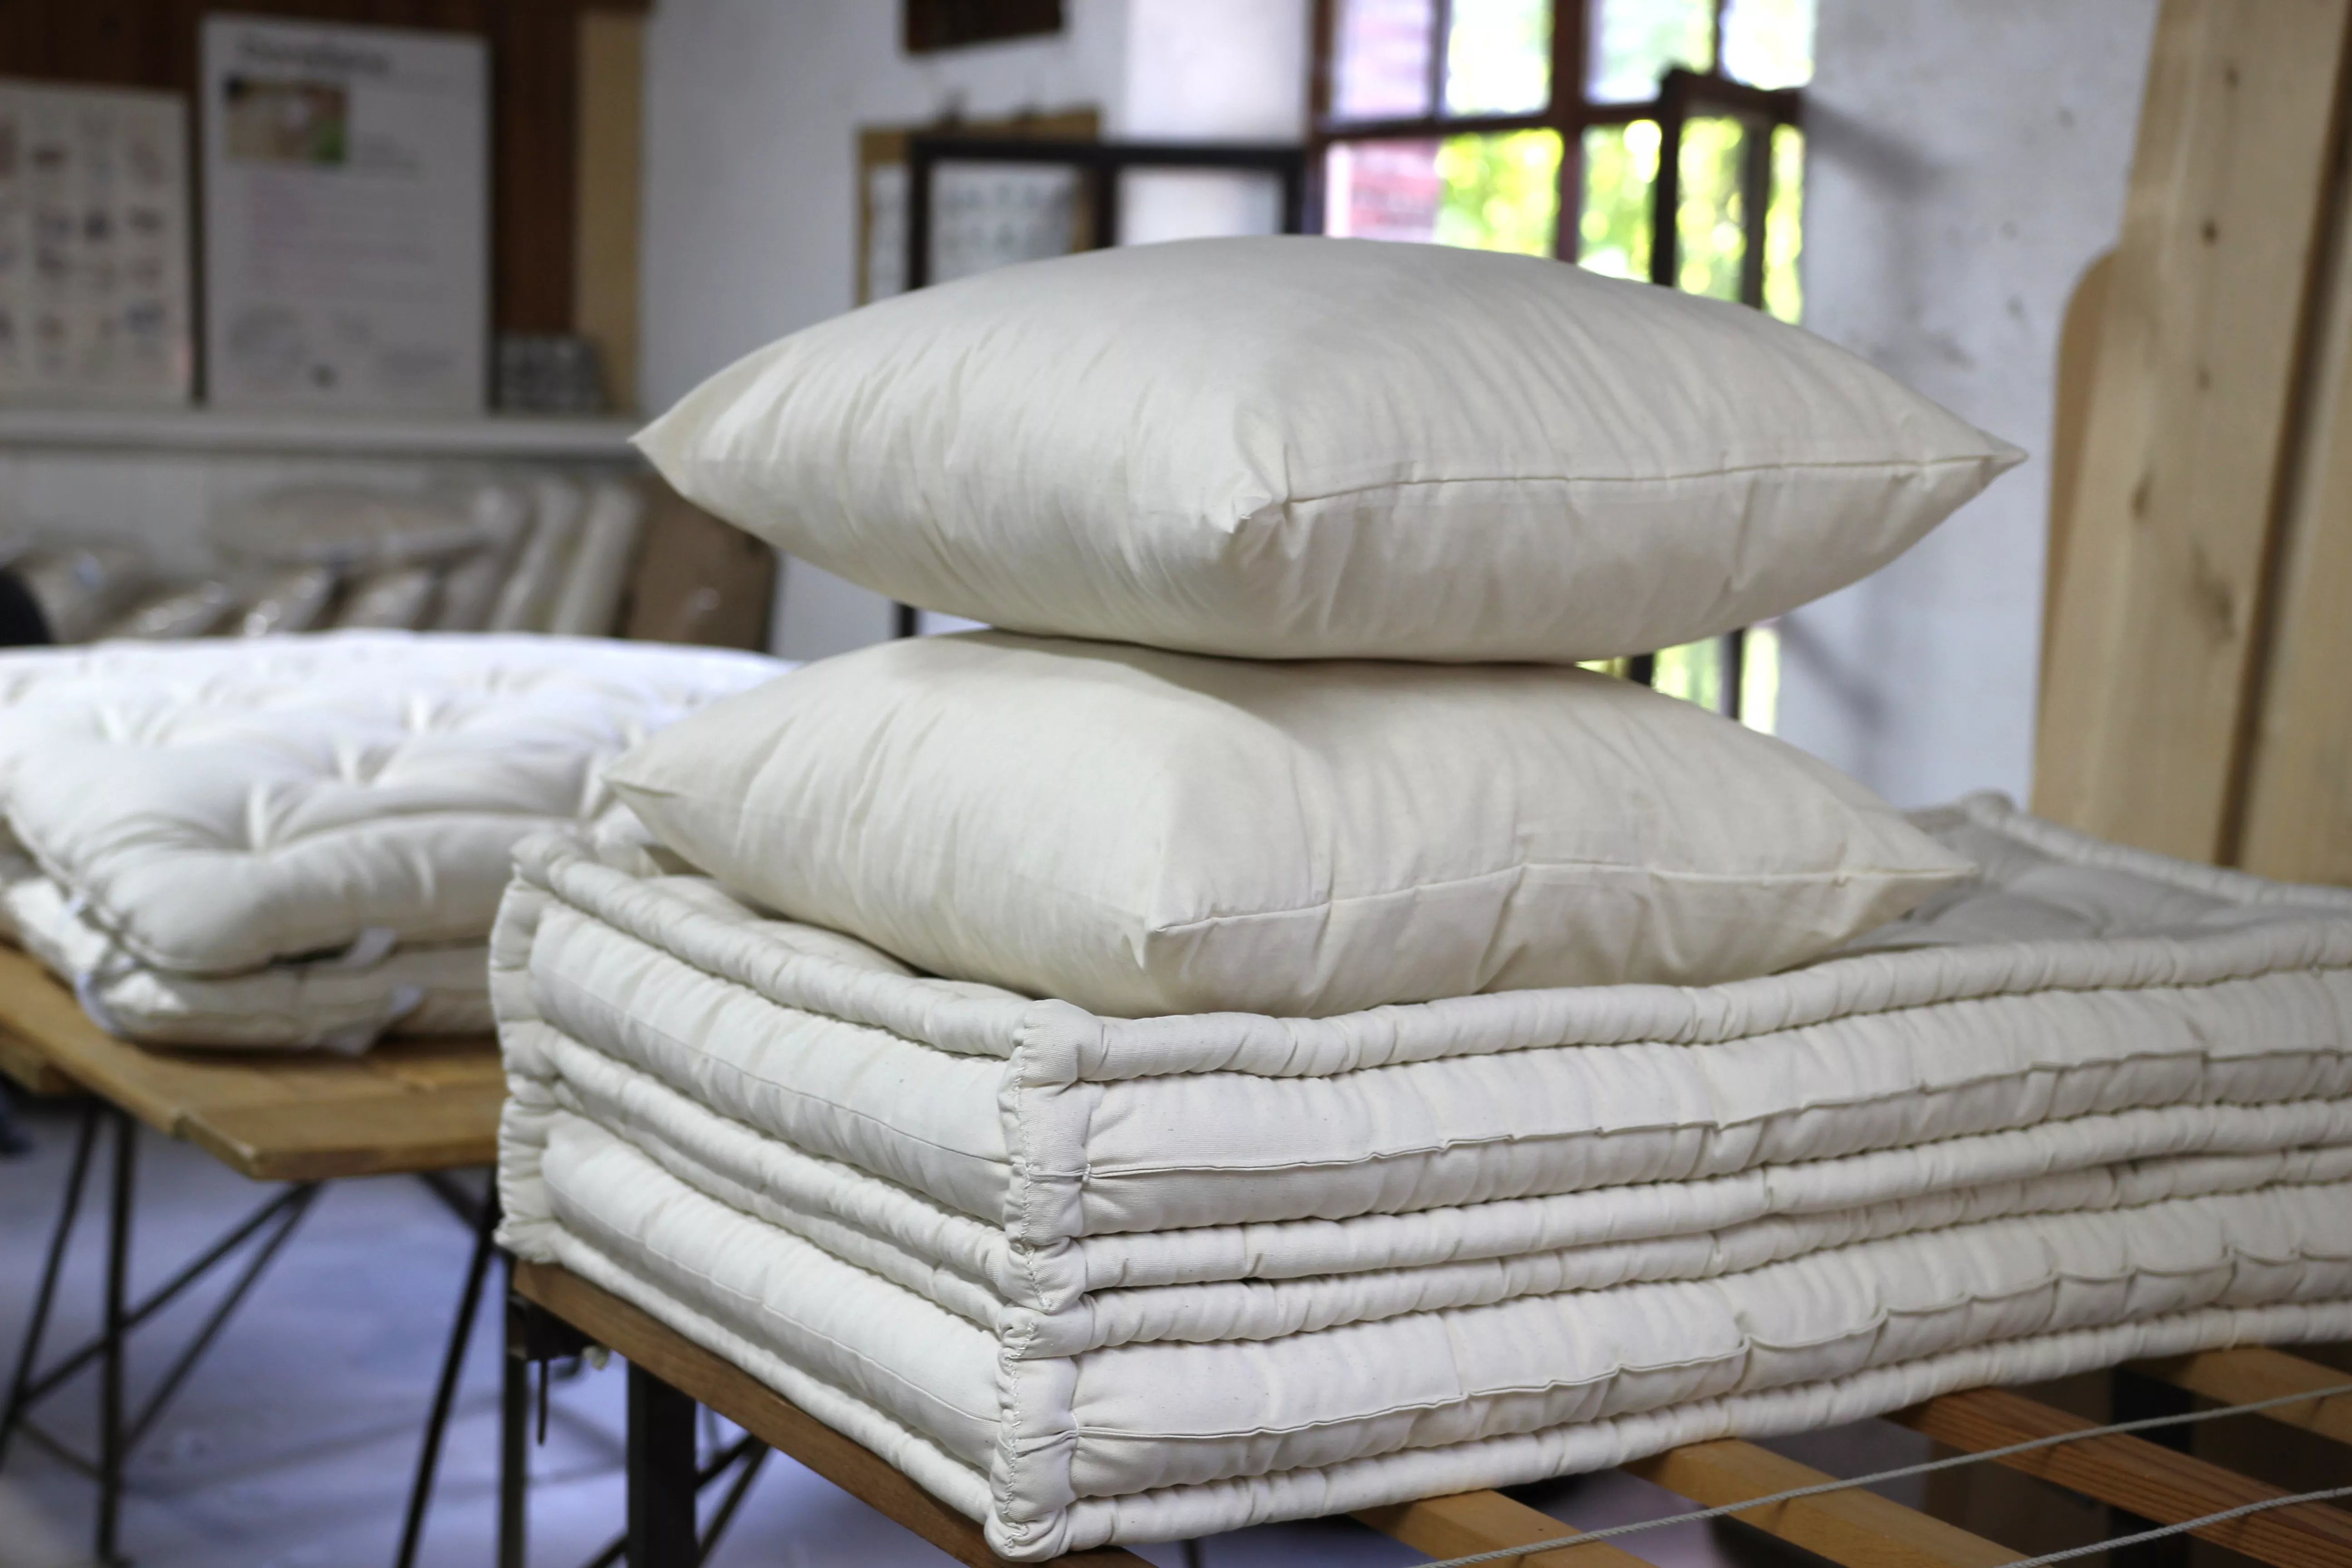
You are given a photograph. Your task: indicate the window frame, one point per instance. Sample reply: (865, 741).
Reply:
(1683, 95)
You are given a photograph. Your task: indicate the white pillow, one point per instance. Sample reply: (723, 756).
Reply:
(1308, 449)
(1143, 833)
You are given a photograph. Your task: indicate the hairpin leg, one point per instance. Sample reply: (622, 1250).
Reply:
(661, 1475)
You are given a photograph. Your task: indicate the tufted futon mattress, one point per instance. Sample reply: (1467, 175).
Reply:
(1092, 1280)
(302, 842)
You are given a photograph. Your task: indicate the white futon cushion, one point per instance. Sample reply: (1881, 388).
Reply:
(217, 806)
(1101, 1280)
(1143, 833)
(1309, 448)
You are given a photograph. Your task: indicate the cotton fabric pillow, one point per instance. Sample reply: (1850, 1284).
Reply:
(1299, 447)
(1143, 833)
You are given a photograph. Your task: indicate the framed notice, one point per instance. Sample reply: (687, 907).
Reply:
(987, 215)
(346, 217)
(93, 245)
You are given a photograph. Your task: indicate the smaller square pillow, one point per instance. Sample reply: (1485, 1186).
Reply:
(1146, 833)
(1302, 447)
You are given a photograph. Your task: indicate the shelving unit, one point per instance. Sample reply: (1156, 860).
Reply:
(215, 431)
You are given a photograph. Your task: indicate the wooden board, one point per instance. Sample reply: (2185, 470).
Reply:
(771, 1417)
(405, 1106)
(1470, 1522)
(2136, 1475)
(2160, 616)
(2296, 817)
(1859, 1529)
(2251, 1375)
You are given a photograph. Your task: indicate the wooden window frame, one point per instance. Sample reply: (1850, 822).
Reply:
(1683, 95)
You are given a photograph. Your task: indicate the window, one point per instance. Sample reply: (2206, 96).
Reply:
(1479, 122)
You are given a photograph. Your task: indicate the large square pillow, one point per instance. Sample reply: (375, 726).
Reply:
(1299, 447)
(1144, 833)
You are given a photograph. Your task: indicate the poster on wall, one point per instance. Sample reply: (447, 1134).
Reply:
(346, 217)
(94, 304)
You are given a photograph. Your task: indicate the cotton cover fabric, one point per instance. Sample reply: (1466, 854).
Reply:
(303, 842)
(1095, 1280)
(1295, 448)
(1142, 832)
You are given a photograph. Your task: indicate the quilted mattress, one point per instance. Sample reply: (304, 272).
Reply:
(290, 843)
(1095, 1280)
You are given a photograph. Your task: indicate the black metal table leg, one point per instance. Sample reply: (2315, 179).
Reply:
(514, 1437)
(118, 1270)
(20, 1386)
(662, 1475)
(445, 1392)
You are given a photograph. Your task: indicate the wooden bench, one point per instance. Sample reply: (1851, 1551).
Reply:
(407, 1107)
(1858, 1529)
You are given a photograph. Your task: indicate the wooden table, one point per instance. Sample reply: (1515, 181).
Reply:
(409, 1107)
(1855, 1528)
(276, 1116)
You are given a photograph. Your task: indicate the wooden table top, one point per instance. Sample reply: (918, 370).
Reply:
(404, 1106)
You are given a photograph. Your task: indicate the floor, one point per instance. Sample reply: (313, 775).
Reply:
(291, 1445)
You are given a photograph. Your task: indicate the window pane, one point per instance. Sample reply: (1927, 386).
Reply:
(1499, 57)
(1621, 164)
(1693, 672)
(1760, 678)
(1502, 193)
(1633, 42)
(1769, 43)
(1707, 225)
(1382, 190)
(1380, 60)
(1485, 192)
(1784, 230)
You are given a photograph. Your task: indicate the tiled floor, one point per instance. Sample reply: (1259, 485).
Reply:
(291, 1446)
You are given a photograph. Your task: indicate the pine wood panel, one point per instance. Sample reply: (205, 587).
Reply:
(2297, 817)
(2159, 616)
(1471, 1522)
(405, 1106)
(771, 1417)
(1858, 1529)
(2251, 1375)
(2136, 1475)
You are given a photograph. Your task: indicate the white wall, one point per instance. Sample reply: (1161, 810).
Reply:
(1966, 159)
(753, 109)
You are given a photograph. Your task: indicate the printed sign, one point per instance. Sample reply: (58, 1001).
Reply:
(346, 217)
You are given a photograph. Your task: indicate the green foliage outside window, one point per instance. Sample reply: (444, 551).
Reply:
(1502, 193)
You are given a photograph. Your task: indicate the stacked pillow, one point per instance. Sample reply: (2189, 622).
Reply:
(1339, 518)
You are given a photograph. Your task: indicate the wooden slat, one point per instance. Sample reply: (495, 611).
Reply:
(405, 1106)
(2134, 1474)
(1857, 1528)
(1471, 1522)
(769, 1416)
(2159, 619)
(2248, 1376)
